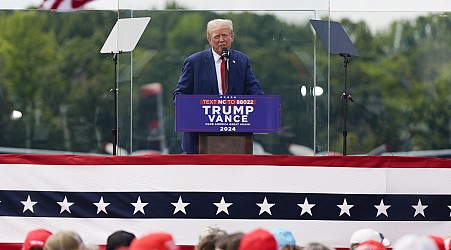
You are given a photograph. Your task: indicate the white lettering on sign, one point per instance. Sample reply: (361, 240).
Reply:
(226, 114)
(228, 110)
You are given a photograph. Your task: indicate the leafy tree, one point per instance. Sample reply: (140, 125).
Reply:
(32, 84)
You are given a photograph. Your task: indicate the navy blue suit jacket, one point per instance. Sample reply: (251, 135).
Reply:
(199, 78)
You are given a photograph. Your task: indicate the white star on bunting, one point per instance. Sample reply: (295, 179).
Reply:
(180, 206)
(419, 208)
(382, 208)
(306, 207)
(139, 206)
(65, 205)
(101, 205)
(222, 206)
(265, 207)
(28, 204)
(345, 208)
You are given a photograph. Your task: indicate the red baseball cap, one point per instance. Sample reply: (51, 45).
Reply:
(154, 241)
(439, 242)
(258, 239)
(36, 238)
(370, 245)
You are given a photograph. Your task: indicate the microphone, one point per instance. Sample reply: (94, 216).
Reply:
(225, 53)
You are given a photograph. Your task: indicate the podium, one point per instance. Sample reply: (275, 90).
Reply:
(226, 143)
(226, 124)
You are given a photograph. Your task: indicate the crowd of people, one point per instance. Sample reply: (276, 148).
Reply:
(215, 238)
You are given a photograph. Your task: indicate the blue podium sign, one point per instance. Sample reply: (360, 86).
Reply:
(228, 113)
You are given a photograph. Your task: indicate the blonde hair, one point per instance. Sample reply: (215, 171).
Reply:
(64, 240)
(219, 24)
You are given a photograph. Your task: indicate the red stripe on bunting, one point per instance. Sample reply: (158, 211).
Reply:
(275, 160)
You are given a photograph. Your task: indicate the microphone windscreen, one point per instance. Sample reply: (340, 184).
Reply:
(225, 52)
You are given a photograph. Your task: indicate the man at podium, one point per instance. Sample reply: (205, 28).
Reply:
(216, 71)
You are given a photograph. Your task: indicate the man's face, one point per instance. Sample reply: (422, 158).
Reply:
(219, 39)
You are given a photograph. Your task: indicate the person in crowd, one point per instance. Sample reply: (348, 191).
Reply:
(233, 241)
(218, 70)
(371, 245)
(229, 241)
(317, 246)
(154, 241)
(119, 239)
(221, 243)
(365, 234)
(439, 241)
(97, 247)
(64, 240)
(209, 237)
(285, 239)
(258, 239)
(415, 242)
(447, 242)
(36, 239)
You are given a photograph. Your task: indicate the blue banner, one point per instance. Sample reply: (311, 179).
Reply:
(227, 113)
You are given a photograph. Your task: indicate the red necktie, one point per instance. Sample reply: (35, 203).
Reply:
(224, 76)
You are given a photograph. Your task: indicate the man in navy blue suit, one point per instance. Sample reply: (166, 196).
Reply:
(201, 73)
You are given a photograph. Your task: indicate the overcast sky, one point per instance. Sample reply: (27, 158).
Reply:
(367, 10)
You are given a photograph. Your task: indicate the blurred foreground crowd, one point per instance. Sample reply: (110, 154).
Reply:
(215, 238)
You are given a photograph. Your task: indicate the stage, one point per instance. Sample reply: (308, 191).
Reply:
(318, 198)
